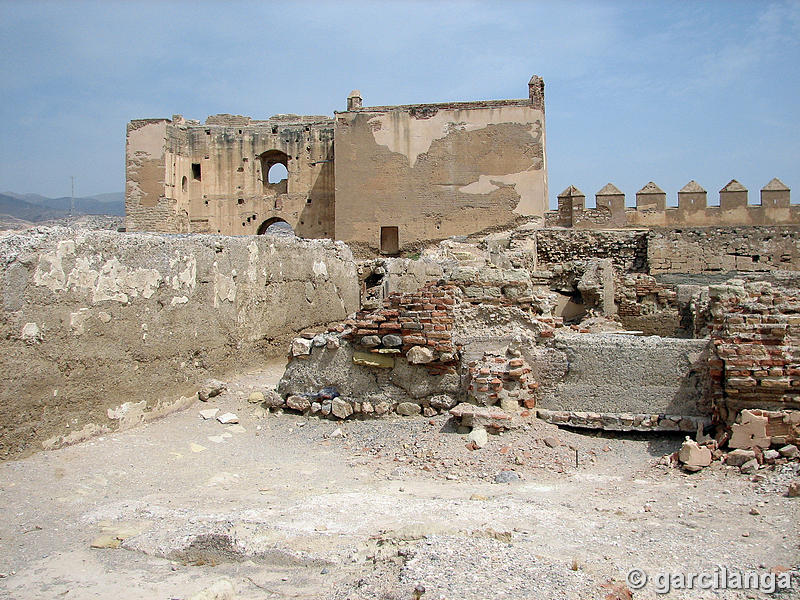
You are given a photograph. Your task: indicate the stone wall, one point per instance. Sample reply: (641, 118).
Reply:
(628, 250)
(438, 170)
(713, 250)
(185, 176)
(608, 373)
(755, 328)
(93, 320)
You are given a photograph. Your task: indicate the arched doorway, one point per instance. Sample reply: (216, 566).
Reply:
(275, 226)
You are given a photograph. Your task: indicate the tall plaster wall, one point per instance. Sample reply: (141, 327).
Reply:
(93, 320)
(438, 170)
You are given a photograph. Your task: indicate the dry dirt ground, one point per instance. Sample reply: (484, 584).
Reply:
(282, 506)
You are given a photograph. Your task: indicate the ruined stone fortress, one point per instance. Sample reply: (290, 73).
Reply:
(390, 178)
(427, 276)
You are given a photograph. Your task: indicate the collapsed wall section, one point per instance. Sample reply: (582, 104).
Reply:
(93, 320)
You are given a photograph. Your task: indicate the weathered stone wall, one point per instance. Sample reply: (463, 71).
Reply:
(628, 250)
(710, 250)
(184, 176)
(439, 170)
(608, 373)
(92, 320)
(755, 330)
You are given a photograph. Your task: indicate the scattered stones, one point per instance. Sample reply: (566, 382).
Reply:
(789, 451)
(31, 334)
(739, 457)
(693, 454)
(479, 437)
(751, 466)
(209, 413)
(318, 341)
(419, 355)
(506, 477)
(443, 402)
(408, 409)
(196, 447)
(272, 399)
(300, 403)
(341, 408)
(256, 398)
(552, 441)
(210, 388)
(751, 432)
(770, 456)
(794, 490)
(336, 433)
(486, 416)
(228, 418)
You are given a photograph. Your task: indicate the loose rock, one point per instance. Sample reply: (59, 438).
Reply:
(228, 418)
(479, 437)
(408, 409)
(506, 477)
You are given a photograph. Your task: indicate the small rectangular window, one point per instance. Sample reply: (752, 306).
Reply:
(196, 173)
(390, 243)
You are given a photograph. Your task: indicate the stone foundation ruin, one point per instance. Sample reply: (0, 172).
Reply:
(468, 295)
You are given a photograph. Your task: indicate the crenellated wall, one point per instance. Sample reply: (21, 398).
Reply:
(651, 208)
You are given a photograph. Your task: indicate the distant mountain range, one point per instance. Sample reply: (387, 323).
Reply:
(35, 208)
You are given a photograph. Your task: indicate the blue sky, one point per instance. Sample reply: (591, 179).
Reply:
(635, 91)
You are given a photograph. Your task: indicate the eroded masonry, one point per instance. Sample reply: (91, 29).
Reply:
(400, 176)
(645, 318)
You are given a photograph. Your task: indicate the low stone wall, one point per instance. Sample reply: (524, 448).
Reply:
(93, 320)
(723, 249)
(608, 373)
(627, 249)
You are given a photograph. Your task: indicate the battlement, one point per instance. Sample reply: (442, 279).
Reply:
(651, 208)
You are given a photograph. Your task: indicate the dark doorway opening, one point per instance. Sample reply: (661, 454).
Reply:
(390, 240)
(275, 226)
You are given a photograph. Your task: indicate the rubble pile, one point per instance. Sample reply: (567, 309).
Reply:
(501, 380)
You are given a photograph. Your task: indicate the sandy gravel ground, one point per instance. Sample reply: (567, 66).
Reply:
(280, 506)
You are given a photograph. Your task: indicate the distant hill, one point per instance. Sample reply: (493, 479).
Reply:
(36, 208)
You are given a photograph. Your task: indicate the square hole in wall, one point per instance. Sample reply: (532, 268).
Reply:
(390, 240)
(240, 201)
(196, 172)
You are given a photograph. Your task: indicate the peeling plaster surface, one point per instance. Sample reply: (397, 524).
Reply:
(137, 316)
(110, 281)
(393, 130)
(528, 184)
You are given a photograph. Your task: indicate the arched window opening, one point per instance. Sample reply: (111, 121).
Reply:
(275, 171)
(275, 226)
(184, 183)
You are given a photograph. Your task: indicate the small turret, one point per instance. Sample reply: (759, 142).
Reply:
(354, 100)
